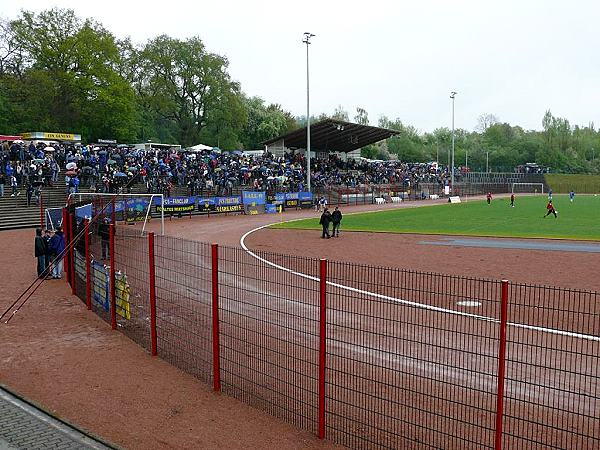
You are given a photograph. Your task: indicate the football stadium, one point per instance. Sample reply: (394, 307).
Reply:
(248, 278)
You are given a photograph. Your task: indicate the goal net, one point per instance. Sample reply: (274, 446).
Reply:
(527, 188)
(128, 208)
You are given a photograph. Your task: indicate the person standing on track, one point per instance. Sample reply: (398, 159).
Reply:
(324, 222)
(57, 247)
(336, 219)
(40, 251)
(489, 198)
(512, 200)
(551, 210)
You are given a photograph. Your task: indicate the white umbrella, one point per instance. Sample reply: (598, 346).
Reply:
(71, 166)
(49, 149)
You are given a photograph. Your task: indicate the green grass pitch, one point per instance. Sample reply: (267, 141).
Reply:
(577, 220)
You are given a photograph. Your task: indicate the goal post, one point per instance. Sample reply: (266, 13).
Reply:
(129, 207)
(527, 188)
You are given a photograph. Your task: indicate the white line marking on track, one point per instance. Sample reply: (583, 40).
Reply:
(408, 302)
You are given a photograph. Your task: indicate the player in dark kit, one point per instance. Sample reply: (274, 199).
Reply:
(512, 200)
(551, 210)
(489, 197)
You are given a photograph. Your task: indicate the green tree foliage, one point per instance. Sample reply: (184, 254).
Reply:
(58, 74)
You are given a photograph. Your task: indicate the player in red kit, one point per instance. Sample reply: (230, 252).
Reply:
(551, 210)
(489, 197)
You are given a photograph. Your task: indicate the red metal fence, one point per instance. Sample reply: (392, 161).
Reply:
(368, 357)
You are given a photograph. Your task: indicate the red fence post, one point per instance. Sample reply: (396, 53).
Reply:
(322, 343)
(501, 365)
(65, 227)
(72, 224)
(113, 213)
(88, 271)
(152, 293)
(113, 289)
(41, 211)
(215, 318)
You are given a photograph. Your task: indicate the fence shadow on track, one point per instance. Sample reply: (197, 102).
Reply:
(368, 357)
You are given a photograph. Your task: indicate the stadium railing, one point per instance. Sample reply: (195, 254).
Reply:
(366, 356)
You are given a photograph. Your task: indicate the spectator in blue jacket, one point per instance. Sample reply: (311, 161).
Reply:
(57, 247)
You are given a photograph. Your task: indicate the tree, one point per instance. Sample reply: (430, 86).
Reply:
(361, 117)
(61, 76)
(340, 114)
(485, 121)
(184, 85)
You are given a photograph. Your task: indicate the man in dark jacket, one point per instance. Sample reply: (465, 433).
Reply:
(40, 251)
(336, 219)
(104, 233)
(47, 238)
(324, 222)
(57, 247)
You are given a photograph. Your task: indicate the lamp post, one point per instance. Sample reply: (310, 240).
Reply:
(306, 41)
(452, 95)
(487, 162)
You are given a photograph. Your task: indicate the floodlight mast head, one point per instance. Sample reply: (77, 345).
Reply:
(307, 37)
(452, 94)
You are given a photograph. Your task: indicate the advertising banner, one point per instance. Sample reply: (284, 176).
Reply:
(228, 204)
(253, 198)
(206, 205)
(305, 200)
(135, 209)
(54, 218)
(291, 200)
(176, 205)
(83, 212)
(254, 202)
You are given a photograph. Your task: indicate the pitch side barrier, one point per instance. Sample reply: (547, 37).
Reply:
(366, 356)
(248, 202)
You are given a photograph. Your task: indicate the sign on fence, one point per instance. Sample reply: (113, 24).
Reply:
(305, 200)
(53, 218)
(136, 209)
(254, 202)
(175, 205)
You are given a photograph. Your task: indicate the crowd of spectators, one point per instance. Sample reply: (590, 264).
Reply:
(207, 172)
(335, 171)
(27, 168)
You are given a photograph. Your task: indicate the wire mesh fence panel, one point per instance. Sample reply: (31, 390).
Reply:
(269, 322)
(80, 274)
(132, 285)
(183, 304)
(409, 364)
(553, 369)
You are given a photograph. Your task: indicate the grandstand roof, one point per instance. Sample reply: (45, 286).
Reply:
(334, 135)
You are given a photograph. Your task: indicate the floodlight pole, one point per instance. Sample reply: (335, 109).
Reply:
(306, 40)
(487, 162)
(452, 95)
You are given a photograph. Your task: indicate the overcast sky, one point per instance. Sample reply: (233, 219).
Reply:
(514, 59)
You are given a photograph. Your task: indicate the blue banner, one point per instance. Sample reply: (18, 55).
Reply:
(176, 204)
(228, 204)
(271, 208)
(291, 196)
(136, 209)
(305, 196)
(84, 212)
(54, 218)
(279, 198)
(253, 198)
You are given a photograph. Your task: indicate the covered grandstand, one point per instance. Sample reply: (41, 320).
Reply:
(329, 135)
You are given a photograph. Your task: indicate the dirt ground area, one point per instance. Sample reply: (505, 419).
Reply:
(576, 270)
(66, 359)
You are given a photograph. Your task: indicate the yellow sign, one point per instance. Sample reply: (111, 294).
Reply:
(57, 136)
